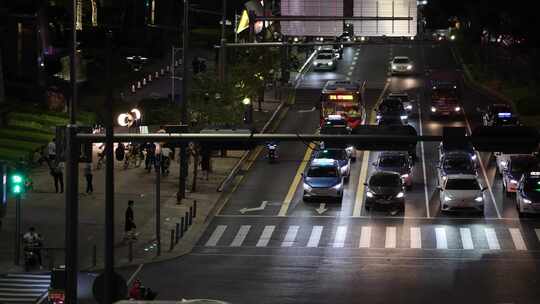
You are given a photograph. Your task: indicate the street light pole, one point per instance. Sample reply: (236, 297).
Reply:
(184, 105)
(222, 49)
(17, 229)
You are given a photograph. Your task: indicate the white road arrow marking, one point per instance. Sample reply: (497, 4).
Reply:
(261, 207)
(307, 111)
(322, 208)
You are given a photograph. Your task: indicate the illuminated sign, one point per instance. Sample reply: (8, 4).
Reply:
(312, 8)
(535, 174)
(385, 8)
(341, 97)
(504, 115)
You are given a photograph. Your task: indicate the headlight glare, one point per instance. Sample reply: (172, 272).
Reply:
(400, 195)
(479, 199)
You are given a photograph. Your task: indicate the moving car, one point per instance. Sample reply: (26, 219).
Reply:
(404, 98)
(323, 179)
(528, 194)
(455, 162)
(445, 93)
(385, 189)
(341, 156)
(392, 107)
(499, 115)
(396, 161)
(446, 147)
(461, 191)
(516, 166)
(401, 65)
(329, 50)
(337, 125)
(325, 62)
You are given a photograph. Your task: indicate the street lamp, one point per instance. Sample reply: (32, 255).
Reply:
(248, 115)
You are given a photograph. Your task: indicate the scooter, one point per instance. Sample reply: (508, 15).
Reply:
(271, 152)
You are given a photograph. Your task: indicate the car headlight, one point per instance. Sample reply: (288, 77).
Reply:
(400, 195)
(307, 187)
(349, 149)
(513, 181)
(446, 198)
(433, 109)
(330, 63)
(504, 163)
(527, 201)
(457, 109)
(394, 67)
(409, 67)
(405, 176)
(479, 199)
(408, 107)
(473, 157)
(369, 194)
(404, 117)
(379, 117)
(338, 186)
(316, 62)
(453, 37)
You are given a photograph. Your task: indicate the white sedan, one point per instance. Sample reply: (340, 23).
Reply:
(401, 65)
(461, 191)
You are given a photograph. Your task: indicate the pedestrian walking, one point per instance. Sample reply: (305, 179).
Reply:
(51, 149)
(57, 172)
(129, 227)
(88, 176)
(205, 162)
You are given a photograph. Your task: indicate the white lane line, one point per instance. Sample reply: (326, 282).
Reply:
(240, 236)
(290, 236)
(537, 231)
(484, 172)
(517, 238)
(341, 235)
(315, 236)
(466, 238)
(355, 57)
(349, 73)
(216, 235)
(422, 151)
(440, 234)
(265, 236)
(134, 274)
(491, 236)
(365, 237)
(416, 238)
(390, 241)
(351, 67)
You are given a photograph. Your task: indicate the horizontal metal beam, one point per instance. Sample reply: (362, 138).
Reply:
(322, 43)
(256, 137)
(331, 18)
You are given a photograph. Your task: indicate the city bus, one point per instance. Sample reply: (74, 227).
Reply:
(345, 98)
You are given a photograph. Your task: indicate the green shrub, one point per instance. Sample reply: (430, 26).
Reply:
(13, 155)
(25, 135)
(19, 145)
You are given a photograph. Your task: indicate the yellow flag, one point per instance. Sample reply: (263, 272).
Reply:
(244, 22)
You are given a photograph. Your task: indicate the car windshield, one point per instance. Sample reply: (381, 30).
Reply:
(532, 184)
(444, 92)
(337, 154)
(458, 163)
(519, 166)
(385, 180)
(391, 161)
(324, 56)
(322, 171)
(462, 184)
(401, 60)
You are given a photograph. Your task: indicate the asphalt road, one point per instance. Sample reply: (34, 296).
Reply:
(284, 250)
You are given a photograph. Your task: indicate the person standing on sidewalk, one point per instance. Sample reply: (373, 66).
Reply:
(88, 176)
(129, 227)
(57, 172)
(51, 150)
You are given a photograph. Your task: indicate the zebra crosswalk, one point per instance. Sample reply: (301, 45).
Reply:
(432, 236)
(23, 288)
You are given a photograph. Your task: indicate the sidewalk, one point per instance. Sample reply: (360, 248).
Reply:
(45, 210)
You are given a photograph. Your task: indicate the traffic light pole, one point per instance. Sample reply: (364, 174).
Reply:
(17, 229)
(181, 194)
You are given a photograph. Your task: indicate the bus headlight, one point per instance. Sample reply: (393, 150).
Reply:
(433, 109)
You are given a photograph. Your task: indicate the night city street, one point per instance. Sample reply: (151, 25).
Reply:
(343, 151)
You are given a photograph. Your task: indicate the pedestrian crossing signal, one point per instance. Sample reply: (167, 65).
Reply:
(17, 183)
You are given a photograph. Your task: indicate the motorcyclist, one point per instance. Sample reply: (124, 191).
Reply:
(33, 243)
(272, 145)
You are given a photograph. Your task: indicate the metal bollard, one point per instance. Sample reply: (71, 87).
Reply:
(132, 88)
(177, 233)
(190, 215)
(186, 220)
(162, 72)
(168, 68)
(195, 208)
(149, 77)
(156, 75)
(172, 240)
(138, 85)
(94, 256)
(144, 81)
(130, 252)
(182, 227)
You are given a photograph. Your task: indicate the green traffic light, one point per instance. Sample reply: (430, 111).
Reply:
(17, 179)
(17, 183)
(17, 189)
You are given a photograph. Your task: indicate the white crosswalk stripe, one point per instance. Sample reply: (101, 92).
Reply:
(517, 238)
(440, 235)
(390, 241)
(365, 237)
(416, 238)
(290, 236)
(315, 236)
(341, 234)
(466, 238)
(240, 236)
(23, 288)
(491, 236)
(266, 236)
(216, 235)
(312, 236)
